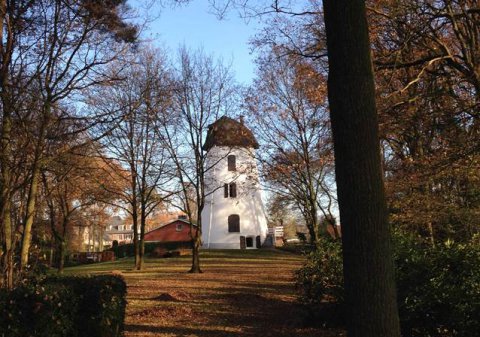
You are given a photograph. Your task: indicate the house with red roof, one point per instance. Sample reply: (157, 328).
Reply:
(177, 230)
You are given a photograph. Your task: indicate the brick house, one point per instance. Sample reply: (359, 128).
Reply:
(174, 231)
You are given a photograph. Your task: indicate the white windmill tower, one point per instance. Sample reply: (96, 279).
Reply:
(233, 216)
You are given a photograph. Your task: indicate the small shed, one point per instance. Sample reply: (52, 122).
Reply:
(174, 231)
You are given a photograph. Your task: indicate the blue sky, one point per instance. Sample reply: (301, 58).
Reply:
(195, 27)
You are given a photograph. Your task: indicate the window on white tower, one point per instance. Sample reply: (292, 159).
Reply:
(232, 163)
(234, 223)
(233, 190)
(230, 190)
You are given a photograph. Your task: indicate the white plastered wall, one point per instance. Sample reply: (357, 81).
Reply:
(248, 203)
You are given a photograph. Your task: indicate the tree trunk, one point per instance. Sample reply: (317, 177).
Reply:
(335, 231)
(312, 232)
(136, 243)
(196, 241)
(5, 201)
(27, 230)
(196, 235)
(8, 266)
(368, 265)
(61, 256)
(431, 233)
(141, 247)
(50, 258)
(32, 193)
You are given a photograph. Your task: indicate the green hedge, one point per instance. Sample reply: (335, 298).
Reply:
(65, 306)
(438, 287)
(128, 250)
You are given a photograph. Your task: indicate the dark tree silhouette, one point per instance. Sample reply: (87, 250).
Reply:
(368, 266)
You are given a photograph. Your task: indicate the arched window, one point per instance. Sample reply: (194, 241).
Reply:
(234, 223)
(232, 163)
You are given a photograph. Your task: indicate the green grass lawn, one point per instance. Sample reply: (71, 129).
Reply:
(239, 293)
(209, 258)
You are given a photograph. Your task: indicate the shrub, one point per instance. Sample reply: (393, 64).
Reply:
(438, 287)
(297, 248)
(37, 310)
(320, 282)
(65, 306)
(321, 277)
(101, 305)
(302, 237)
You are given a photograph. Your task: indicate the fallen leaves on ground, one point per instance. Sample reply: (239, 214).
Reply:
(238, 294)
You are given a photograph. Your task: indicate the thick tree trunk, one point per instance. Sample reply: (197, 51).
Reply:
(368, 266)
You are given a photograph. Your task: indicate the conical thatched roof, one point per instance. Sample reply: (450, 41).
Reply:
(229, 132)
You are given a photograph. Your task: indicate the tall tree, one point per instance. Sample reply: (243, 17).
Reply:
(144, 94)
(368, 265)
(74, 41)
(426, 62)
(14, 21)
(204, 91)
(72, 183)
(288, 109)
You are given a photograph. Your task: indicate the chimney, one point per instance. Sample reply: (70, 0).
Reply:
(241, 119)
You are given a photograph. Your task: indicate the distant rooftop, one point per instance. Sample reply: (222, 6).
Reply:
(227, 131)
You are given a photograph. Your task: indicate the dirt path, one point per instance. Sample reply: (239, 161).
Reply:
(239, 294)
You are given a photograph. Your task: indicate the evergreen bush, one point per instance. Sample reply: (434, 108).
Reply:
(438, 287)
(65, 306)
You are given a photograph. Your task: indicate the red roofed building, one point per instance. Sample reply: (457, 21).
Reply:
(174, 231)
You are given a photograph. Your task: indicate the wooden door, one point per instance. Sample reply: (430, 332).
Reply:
(243, 243)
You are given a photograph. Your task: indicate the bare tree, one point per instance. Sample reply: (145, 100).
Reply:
(288, 106)
(134, 143)
(14, 21)
(204, 91)
(71, 45)
(72, 183)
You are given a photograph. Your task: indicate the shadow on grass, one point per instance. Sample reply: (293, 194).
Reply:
(210, 259)
(180, 331)
(240, 293)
